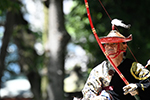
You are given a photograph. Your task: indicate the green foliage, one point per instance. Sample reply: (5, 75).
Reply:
(6, 5)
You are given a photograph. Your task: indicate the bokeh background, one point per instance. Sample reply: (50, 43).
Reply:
(47, 48)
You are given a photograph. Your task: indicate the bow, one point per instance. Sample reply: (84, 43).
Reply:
(102, 48)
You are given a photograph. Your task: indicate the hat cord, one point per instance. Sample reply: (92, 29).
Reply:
(117, 53)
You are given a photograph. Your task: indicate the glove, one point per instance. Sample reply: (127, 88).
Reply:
(130, 88)
(139, 69)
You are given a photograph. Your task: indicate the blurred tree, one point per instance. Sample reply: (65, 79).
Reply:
(10, 10)
(18, 32)
(25, 40)
(57, 41)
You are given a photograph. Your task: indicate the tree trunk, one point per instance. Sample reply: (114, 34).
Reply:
(35, 81)
(58, 39)
(6, 38)
(28, 58)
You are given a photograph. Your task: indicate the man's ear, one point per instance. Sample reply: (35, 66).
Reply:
(125, 46)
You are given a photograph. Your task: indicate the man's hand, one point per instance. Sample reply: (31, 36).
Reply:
(100, 97)
(130, 88)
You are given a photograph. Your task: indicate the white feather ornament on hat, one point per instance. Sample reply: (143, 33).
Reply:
(118, 22)
(114, 36)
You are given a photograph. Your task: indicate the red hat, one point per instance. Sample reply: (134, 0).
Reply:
(115, 37)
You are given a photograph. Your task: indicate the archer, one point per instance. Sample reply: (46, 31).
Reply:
(104, 83)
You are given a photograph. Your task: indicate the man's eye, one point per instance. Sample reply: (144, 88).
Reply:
(114, 43)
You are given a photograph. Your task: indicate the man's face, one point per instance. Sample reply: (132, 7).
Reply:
(112, 48)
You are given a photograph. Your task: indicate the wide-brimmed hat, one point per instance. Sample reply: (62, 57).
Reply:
(115, 37)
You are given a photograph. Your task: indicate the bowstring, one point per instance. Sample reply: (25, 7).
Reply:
(117, 29)
(105, 10)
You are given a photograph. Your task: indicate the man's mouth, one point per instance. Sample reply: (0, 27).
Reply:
(111, 52)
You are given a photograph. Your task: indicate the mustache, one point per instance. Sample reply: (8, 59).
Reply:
(110, 50)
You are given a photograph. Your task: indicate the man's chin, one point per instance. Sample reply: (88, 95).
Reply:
(112, 55)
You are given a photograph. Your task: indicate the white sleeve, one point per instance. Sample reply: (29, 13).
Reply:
(90, 89)
(93, 84)
(97, 79)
